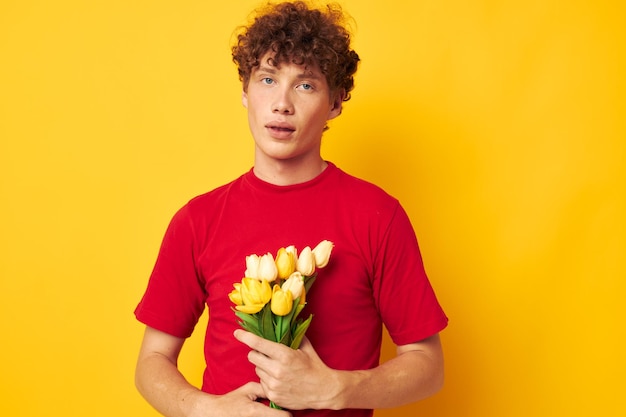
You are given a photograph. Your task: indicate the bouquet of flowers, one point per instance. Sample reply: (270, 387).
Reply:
(272, 294)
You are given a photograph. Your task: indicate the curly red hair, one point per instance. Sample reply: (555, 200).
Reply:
(294, 32)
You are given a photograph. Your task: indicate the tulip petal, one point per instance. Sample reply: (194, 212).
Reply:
(282, 301)
(235, 297)
(294, 284)
(306, 262)
(252, 266)
(267, 268)
(322, 253)
(285, 263)
(250, 308)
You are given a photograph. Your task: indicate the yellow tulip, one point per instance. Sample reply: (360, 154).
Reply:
(282, 301)
(254, 294)
(235, 295)
(322, 253)
(294, 284)
(253, 309)
(285, 263)
(267, 268)
(306, 262)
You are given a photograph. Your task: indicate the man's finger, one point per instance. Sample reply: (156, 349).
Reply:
(253, 390)
(257, 343)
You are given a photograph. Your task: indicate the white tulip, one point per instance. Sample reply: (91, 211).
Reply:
(294, 284)
(306, 262)
(322, 253)
(267, 268)
(252, 266)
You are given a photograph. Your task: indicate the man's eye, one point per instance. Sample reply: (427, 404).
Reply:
(267, 80)
(306, 86)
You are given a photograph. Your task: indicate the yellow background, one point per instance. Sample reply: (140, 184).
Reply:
(500, 125)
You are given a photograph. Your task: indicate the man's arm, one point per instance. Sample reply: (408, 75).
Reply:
(415, 373)
(160, 382)
(298, 379)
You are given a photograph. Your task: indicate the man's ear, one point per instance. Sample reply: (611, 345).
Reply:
(337, 104)
(244, 99)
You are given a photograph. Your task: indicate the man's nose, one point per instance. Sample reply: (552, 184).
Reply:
(283, 102)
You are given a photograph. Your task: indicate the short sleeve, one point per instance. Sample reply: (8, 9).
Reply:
(175, 297)
(406, 300)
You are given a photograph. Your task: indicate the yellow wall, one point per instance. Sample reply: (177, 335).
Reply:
(499, 124)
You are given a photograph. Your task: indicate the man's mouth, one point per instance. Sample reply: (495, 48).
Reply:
(280, 130)
(280, 127)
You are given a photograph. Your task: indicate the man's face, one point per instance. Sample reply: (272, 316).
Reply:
(288, 107)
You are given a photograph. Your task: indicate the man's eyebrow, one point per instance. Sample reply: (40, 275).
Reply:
(266, 68)
(311, 75)
(272, 70)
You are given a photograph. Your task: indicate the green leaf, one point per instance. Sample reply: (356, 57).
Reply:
(298, 310)
(308, 281)
(298, 332)
(248, 318)
(278, 327)
(285, 339)
(249, 322)
(267, 324)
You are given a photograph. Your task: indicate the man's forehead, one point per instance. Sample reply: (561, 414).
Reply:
(268, 63)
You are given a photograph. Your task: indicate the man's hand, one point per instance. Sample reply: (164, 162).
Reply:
(238, 403)
(298, 379)
(293, 379)
(161, 383)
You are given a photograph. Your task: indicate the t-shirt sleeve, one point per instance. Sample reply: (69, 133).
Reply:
(407, 303)
(174, 299)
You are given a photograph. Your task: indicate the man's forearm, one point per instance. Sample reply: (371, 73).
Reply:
(411, 376)
(164, 387)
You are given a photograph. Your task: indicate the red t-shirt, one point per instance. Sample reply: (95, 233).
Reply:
(375, 275)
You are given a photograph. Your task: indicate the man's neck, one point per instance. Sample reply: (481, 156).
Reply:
(288, 172)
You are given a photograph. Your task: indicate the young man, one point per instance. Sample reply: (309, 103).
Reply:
(297, 69)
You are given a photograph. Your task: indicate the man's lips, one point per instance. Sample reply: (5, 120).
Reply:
(280, 130)
(280, 126)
